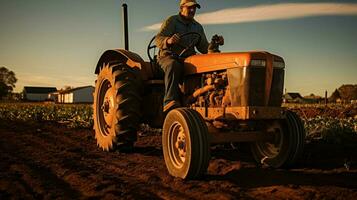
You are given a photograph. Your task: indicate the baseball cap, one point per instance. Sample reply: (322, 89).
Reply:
(189, 3)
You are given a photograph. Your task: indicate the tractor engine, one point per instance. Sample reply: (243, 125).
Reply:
(214, 90)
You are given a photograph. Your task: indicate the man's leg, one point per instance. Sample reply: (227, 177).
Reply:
(173, 74)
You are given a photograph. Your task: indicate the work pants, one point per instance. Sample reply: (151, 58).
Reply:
(173, 69)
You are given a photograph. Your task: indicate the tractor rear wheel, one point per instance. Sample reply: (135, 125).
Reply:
(185, 143)
(116, 108)
(287, 146)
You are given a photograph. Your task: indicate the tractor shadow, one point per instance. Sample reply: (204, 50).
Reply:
(320, 165)
(259, 177)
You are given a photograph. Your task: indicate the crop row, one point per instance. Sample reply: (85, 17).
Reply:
(333, 124)
(331, 130)
(75, 116)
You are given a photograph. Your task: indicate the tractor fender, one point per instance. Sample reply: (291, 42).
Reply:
(120, 55)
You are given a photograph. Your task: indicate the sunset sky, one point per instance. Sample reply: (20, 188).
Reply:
(58, 42)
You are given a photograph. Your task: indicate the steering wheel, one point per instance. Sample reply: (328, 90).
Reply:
(195, 41)
(152, 46)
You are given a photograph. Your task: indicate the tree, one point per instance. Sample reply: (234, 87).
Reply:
(348, 92)
(7, 81)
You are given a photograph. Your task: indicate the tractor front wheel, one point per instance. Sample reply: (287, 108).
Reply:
(185, 143)
(288, 143)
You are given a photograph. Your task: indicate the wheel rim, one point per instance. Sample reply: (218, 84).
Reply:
(106, 107)
(177, 144)
(272, 148)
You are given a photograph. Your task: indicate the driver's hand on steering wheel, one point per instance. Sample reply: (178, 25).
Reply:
(173, 39)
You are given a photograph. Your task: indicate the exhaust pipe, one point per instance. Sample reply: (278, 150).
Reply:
(125, 26)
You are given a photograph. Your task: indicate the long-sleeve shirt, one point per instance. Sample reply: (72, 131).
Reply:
(177, 24)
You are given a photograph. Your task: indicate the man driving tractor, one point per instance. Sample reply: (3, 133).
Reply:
(177, 39)
(236, 91)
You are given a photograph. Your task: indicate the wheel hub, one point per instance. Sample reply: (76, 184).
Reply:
(106, 111)
(177, 145)
(272, 148)
(181, 144)
(108, 106)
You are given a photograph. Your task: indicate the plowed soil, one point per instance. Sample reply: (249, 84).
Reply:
(48, 161)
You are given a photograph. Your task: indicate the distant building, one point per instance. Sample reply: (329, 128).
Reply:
(76, 95)
(313, 99)
(37, 93)
(53, 96)
(292, 97)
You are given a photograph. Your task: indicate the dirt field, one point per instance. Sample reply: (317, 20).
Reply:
(47, 161)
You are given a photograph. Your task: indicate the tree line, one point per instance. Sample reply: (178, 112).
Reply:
(7, 81)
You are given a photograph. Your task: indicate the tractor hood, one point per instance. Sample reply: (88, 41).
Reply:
(219, 61)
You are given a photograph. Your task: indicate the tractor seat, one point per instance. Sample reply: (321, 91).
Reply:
(157, 74)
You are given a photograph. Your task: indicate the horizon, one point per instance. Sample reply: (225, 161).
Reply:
(58, 43)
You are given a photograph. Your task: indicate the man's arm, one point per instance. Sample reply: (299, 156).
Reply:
(166, 31)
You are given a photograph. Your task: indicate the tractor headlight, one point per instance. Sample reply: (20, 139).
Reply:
(258, 63)
(277, 64)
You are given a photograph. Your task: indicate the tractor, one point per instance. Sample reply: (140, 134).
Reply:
(229, 97)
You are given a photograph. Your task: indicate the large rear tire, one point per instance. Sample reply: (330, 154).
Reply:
(287, 146)
(116, 108)
(185, 143)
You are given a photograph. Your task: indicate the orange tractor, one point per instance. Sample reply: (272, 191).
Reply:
(228, 97)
